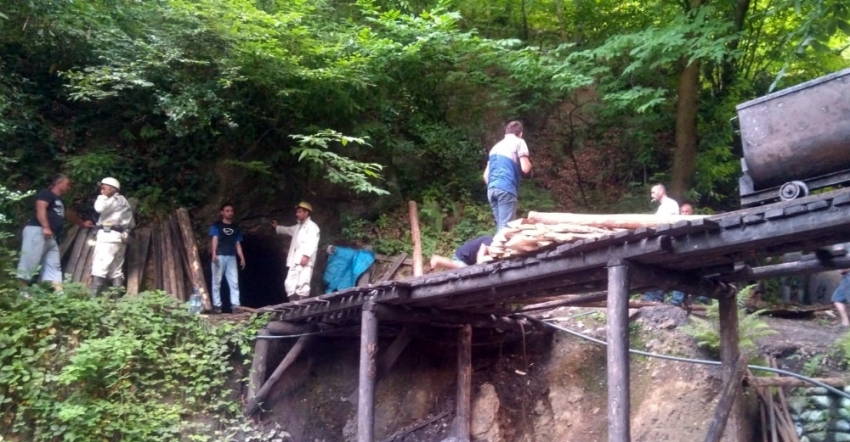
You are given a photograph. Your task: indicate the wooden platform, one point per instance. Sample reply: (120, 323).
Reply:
(702, 257)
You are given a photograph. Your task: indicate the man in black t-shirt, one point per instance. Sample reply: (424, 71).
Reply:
(226, 247)
(469, 253)
(39, 245)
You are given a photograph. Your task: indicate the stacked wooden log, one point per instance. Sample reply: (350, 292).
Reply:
(165, 253)
(543, 229)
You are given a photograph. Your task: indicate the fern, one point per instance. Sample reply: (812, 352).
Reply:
(751, 326)
(843, 344)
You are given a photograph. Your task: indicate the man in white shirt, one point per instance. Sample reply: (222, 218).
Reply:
(114, 224)
(302, 252)
(666, 205)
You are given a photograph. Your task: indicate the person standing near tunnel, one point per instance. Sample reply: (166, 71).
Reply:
(225, 248)
(114, 224)
(302, 252)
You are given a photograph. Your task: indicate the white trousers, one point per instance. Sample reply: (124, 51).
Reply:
(298, 281)
(108, 260)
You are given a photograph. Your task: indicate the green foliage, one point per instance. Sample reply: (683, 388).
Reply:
(132, 369)
(339, 169)
(843, 344)
(706, 332)
(812, 367)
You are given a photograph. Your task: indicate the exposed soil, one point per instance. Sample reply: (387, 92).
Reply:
(542, 388)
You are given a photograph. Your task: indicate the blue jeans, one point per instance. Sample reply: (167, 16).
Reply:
(840, 294)
(504, 206)
(227, 266)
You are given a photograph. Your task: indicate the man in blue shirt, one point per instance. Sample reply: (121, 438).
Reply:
(507, 162)
(226, 246)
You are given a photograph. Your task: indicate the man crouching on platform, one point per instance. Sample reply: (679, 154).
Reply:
(114, 224)
(469, 253)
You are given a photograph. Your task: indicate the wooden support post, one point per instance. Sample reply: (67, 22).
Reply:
(197, 275)
(180, 276)
(70, 235)
(156, 244)
(85, 252)
(259, 361)
(254, 403)
(366, 388)
(417, 242)
(389, 357)
(76, 251)
(618, 351)
(170, 259)
(463, 419)
(136, 269)
(731, 390)
(729, 356)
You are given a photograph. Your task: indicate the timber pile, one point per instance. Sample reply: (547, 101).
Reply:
(544, 229)
(165, 253)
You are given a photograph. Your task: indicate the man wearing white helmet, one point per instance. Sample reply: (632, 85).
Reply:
(116, 220)
(302, 252)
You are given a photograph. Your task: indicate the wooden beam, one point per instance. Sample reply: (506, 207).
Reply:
(796, 268)
(366, 387)
(259, 362)
(385, 258)
(730, 356)
(389, 357)
(76, 252)
(407, 315)
(789, 382)
(254, 403)
(180, 277)
(394, 266)
(280, 328)
(171, 261)
(85, 253)
(463, 420)
(70, 235)
(417, 242)
(728, 396)
(618, 351)
(138, 258)
(197, 275)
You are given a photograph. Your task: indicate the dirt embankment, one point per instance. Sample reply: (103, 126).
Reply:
(544, 387)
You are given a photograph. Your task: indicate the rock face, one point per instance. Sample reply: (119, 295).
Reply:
(819, 415)
(485, 414)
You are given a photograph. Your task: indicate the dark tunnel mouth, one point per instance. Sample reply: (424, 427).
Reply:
(261, 282)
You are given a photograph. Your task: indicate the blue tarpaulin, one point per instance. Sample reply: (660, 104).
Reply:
(345, 266)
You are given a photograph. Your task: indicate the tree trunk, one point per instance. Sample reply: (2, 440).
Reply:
(687, 136)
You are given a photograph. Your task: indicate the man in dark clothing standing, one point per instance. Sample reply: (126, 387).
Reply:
(226, 247)
(469, 253)
(39, 243)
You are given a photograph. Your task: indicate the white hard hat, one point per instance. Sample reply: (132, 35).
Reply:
(109, 181)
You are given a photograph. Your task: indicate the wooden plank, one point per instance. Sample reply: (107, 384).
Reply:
(76, 252)
(417, 242)
(254, 404)
(197, 273)
(137, 269)
(463, 417)
(259, 362)
(728, 395)
(156, 242)
(389, 357)
(180, 266)
(394, 266)
(70, 236)
(427, 316)
(618, 352)
(366, 387)
(385, 258)
(730, 357)
(169, 255)
(85, 271)
(609, 221)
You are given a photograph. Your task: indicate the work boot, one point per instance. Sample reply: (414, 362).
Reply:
(96, 285)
